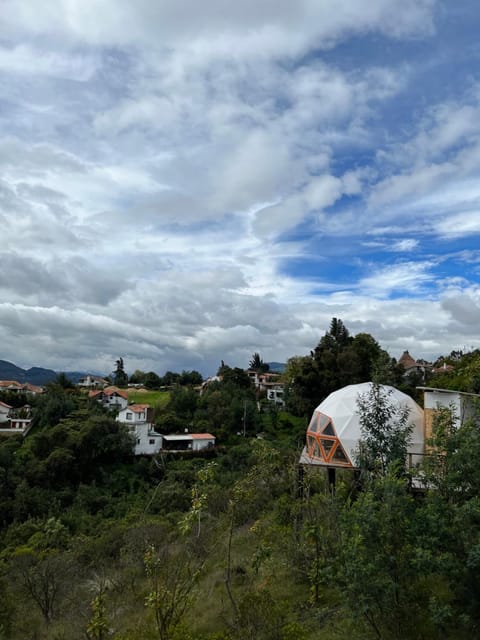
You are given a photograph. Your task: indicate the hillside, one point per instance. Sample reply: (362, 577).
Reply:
(34, 375)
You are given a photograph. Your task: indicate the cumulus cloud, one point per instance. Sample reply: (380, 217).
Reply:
(166, 166)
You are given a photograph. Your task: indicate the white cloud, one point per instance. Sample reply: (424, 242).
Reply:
(407, 245)
(405, 277)
(462, 224)
(167, 162)
(248, 27)
(27, 60)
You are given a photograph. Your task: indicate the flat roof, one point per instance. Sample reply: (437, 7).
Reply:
(189, 436)
(462, 393)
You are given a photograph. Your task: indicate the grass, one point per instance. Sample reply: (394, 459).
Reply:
(153, 398)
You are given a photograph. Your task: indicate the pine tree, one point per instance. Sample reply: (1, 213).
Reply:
(120, 378)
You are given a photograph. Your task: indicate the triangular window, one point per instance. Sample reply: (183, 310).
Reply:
(324, 420)
(340, 455)
(327, 447)
(313, 427)
(328, 430)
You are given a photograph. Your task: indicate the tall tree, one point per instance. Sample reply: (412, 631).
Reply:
(385, 431)
(257, 364)
(120, 378)
(338, 360)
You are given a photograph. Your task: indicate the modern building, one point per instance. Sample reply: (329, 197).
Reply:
(334, 432)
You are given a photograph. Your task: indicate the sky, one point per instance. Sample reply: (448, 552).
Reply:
(186, 182)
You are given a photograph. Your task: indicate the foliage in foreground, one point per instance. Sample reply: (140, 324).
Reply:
(97, 545)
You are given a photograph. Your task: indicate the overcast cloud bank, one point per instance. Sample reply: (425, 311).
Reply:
(186, 182)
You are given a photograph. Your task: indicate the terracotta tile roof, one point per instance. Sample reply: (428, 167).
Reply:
(202, 436)
(111, 391)
(406, 360)
(138, 408)
(32, 388)
(19, 386)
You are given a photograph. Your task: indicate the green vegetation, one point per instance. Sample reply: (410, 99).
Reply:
(156, 399)
(239, 543)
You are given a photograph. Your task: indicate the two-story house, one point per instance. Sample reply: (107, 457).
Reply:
(138, 418)
(111, 398)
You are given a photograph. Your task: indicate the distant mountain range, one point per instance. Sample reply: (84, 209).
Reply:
(41, 376)
(277, 367)
(34, 375)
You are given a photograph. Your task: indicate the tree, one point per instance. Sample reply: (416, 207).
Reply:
(172, 574)
(64, 381)
(44, 576)
(50, 407)
(376, 565)
(385, 432)
(138, 377)
(120, 378)
(338, 360)
(190, 378)
(257, 364)
(152, 380)
(170, 378)
(236, 377)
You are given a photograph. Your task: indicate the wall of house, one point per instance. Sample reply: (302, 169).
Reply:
(147, 442)
(131, 417)
(198, 445)
(115, 401)
(276, 396)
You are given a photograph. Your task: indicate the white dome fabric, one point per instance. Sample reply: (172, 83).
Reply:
(334, 432)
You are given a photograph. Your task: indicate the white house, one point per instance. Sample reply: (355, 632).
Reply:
(138, 418)
(188, 442)
(111, 397)
(134, 414)
(147, 440)
(5, 412)
(20, 387)
(17, 420)
(275, 394)
(96, 382)
(462, 405)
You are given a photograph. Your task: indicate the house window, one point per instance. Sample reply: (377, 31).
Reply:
(129, 416)
(151, 441)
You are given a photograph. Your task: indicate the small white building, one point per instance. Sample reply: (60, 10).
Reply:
(275, 394)
(111, 397)
(5, 412)
(147, 441)
(188, 442)
(15, 426)
(461, 404)
(138, 418)
(92, 382)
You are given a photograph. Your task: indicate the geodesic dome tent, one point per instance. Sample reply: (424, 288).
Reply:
(334, 432)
